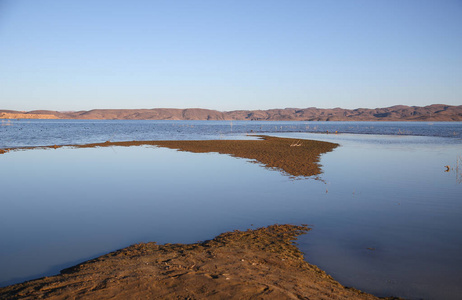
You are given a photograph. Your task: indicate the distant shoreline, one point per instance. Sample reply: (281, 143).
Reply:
(433, 113)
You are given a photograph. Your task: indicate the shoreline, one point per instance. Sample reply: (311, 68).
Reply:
(433, 112)
(294, 157)
(256, 263)
(240, 264)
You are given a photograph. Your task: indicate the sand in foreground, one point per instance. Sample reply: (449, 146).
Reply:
(253, 264)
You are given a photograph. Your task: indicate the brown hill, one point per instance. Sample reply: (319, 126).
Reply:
(435, 112)
(20, 115)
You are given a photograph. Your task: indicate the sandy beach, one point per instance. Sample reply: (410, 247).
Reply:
(254, 264)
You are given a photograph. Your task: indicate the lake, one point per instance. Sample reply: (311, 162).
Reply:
(386, 217)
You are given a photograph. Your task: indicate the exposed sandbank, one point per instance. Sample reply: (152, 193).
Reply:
(250, 264)
(292, 156)
(253, 264)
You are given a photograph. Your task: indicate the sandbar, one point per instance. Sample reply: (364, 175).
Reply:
(258, 263)
(295, 157)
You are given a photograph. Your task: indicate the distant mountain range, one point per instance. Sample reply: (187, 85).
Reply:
(435, 112)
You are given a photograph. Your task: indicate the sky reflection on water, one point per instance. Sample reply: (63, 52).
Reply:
(393, 197)
(66, 205)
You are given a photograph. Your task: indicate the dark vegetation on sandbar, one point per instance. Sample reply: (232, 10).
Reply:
(254, 264)
(292, 156)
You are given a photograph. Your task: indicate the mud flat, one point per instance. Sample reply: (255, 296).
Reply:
(294, 157)
(254, 264)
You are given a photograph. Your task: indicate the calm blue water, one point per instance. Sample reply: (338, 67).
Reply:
(385, 192)
(64, 132)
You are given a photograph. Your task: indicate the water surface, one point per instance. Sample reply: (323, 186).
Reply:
(64, 132)
(392, 216)
(385, 216)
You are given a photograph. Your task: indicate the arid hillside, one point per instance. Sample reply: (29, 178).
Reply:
(435, 112)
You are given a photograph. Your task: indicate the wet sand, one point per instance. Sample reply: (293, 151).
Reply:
(293, 157)
(253, 264)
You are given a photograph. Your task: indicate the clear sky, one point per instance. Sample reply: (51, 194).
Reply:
(229, 54)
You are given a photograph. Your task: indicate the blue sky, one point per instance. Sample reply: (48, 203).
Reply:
(227, 55)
